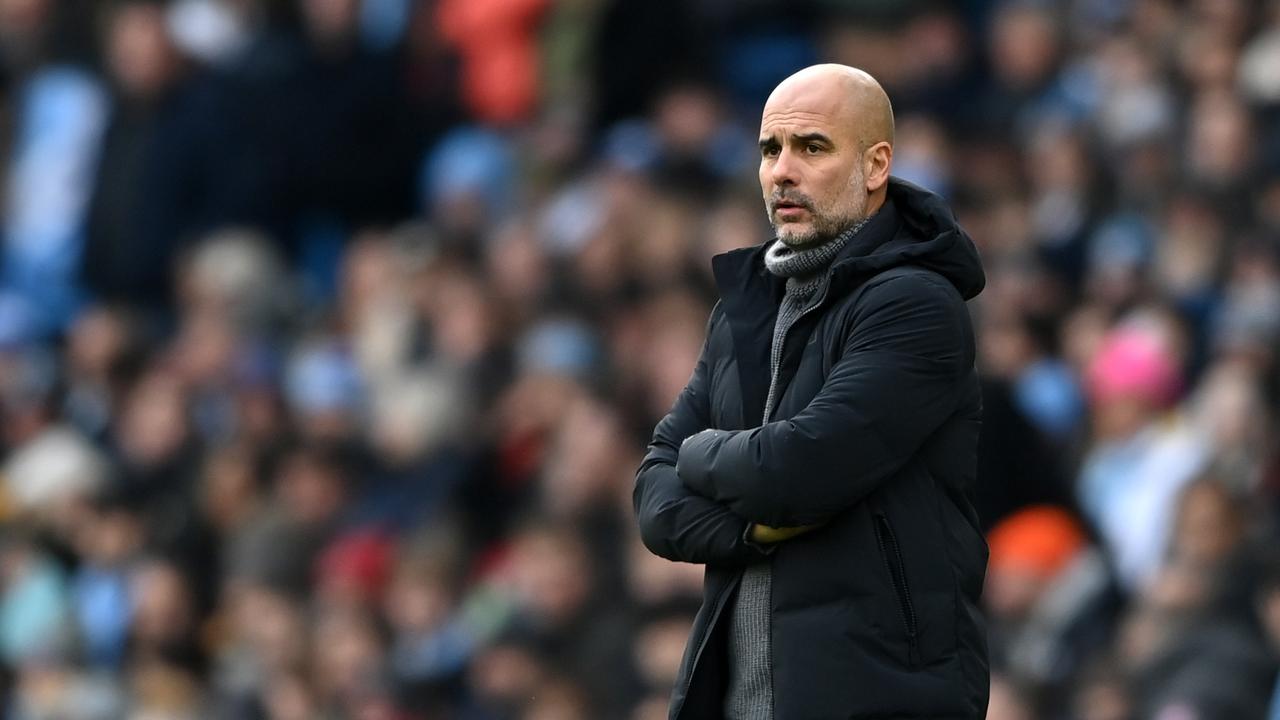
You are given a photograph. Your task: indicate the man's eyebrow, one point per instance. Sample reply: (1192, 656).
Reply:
(811, 137)
(768, 141)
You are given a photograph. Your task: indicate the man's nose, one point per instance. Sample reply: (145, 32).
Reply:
(785, 169)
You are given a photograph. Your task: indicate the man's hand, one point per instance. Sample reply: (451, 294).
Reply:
(765, 535)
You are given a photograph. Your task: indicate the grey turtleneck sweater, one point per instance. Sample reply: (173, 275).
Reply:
(750, 692)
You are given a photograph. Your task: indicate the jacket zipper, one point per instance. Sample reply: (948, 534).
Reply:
(892, 554)
(720, 602)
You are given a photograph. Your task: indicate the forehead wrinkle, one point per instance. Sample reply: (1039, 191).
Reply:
(788, 116)
(778, 122)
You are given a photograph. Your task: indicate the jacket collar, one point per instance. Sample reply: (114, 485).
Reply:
(750, 295)
(745, 284)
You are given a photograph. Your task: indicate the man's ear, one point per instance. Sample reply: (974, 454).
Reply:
(878, 158)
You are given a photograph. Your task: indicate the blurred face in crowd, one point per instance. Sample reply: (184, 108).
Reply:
(162, 605)
(141, 57)
(1024, 45)
(581, 470)
(271, 625)
(504, 674)
(1220, 145)
(1007, 702)
(551, 574)
(345, 653)
(687, 118)
(561, 699)
(1119, 418)
(19, 18)
(420, 598)
(310, 488)
(329, 19)
(659, 648)
(1102, 697)
(228, 487)
(1208, 525)
(826, 144)
(98, 339)
(1011, 595)
(153, 424)
(109, 536)
(287, 697)
(162, 689)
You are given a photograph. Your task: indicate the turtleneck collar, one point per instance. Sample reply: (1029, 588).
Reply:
(788, 262)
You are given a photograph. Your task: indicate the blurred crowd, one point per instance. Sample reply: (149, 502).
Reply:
(332, 332)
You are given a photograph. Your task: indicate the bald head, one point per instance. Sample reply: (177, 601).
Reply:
(826, 146)
(845, 93)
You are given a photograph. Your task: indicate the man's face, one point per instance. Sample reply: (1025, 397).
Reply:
(811, 167)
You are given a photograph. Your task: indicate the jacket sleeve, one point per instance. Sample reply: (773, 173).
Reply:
(896, 381)
(675, 522)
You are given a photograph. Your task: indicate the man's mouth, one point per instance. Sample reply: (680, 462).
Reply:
(787, 201)
(789, 209)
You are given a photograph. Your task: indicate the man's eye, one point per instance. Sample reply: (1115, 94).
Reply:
(812, 149)
(770, 151)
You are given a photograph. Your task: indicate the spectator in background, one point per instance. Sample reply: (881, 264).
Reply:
(110, 539)
(35, 605)
(142, 202)
(59, 113)
(1138, 461)
(495, 41)
(1050, 598)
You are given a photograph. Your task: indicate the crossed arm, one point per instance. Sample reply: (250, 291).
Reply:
(892, 387)
(675, 522)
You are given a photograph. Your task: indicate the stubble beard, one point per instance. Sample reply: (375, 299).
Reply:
(824, 228)
(826, 225)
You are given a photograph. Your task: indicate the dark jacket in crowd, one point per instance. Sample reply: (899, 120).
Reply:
(874, 614)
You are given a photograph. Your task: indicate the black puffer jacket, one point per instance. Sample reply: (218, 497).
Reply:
(875, 614)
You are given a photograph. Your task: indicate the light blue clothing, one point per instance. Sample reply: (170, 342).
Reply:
(383, 22)
(61, 116)
(33, 610)
(103, 613)
(1130, 488)
(1047, 392)
(433, 656)
(324, 378)
(471, 161)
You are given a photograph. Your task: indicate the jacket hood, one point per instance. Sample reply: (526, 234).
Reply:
(927, 236)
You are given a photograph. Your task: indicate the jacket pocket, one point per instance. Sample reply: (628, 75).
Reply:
(891, 553)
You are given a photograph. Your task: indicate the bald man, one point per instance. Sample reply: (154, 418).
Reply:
(820, 459)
